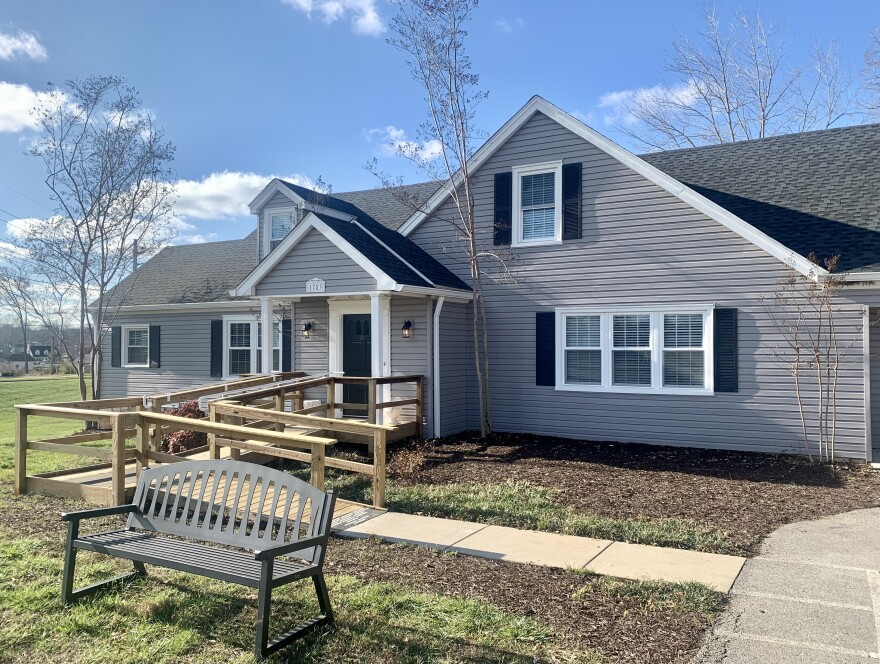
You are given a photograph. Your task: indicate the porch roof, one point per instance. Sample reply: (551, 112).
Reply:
(394, 261)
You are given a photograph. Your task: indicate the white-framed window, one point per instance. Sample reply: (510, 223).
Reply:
(665, 349)
(136, 346)
(276, 345)
(279, 222)
(537, 204)
(242, 345)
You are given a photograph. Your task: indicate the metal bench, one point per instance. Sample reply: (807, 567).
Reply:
(231, 503)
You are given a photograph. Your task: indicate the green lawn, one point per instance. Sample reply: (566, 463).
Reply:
(36, 390)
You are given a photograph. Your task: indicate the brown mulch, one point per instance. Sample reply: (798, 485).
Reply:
(623, 630)
(748, 495)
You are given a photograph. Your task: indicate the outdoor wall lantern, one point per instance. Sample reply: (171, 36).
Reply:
(307, 330)
(406, 330)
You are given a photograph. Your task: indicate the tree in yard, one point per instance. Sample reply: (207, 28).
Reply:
(736, 83)
(806, 313)
(432, 34)
(14, 288)
(106, 165)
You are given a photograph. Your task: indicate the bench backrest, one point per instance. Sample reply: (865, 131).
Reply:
(231, 502)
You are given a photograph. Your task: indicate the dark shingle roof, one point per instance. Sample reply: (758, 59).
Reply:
(813, 192)
(191, 273)
(390, 207)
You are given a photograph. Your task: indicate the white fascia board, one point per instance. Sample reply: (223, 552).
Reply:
(311, 221)
(655, 175)
(450, 294)
(275, 186)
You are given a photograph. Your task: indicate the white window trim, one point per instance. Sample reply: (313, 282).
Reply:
(534, 169)
(255, 340)
(125, 363)
(657, 349)
(267, 224)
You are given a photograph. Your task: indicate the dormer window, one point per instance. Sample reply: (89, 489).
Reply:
(537, 204)
(279, 222)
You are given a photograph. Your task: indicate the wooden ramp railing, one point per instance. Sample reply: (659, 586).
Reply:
(269, 420)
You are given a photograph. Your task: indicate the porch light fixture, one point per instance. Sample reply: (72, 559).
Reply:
(307, 330)
(406, 330)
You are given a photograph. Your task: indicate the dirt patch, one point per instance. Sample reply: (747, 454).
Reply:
(622, 629)
(747, 495)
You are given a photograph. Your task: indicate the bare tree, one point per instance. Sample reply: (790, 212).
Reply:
(805, 312)
(872, 73)
(432, 35)
(736, 82)
(107, 170)
(14, 287)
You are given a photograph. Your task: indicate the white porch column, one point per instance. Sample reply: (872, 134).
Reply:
(266, 332)
(380, 323)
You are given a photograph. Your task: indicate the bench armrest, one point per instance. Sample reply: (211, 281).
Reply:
(98, 512)
(284, 549)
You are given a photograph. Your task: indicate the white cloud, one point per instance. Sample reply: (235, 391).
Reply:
(17, 103)
(19, 228)
(393, 142)
(507, 26)
(224, 195)
(616, 103)
(198, 238)
(587, 118)
(365, 19)
(21, 45)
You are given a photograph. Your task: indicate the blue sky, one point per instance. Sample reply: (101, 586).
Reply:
(308, 88)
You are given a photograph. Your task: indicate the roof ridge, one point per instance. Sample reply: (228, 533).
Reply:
(765, 139)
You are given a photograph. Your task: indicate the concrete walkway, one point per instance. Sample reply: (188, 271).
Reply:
(629, 561)
(811, 597)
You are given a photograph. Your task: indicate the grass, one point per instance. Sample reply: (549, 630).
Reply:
(170, 617)
(37, 390)
(520, 504)
(654, 596)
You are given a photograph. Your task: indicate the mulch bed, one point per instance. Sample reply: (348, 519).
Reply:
(621, 629)
(747, 495)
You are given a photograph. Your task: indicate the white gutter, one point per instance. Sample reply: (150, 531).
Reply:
(435, 391)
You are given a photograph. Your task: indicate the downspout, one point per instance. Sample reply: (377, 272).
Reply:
(435, 391)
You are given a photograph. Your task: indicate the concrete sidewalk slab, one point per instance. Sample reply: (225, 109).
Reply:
(641, 562)
(423, 530)
(531, 547)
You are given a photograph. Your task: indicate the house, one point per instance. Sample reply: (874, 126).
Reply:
(638, 306)
(15, 362)
(40, 352)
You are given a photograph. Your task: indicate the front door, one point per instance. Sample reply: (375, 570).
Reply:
(357, 358)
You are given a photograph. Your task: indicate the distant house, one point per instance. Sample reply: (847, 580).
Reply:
(638, 312)
(15, 362)
(40, 351)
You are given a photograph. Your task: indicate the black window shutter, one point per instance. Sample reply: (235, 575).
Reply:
(503, 208)
(286, 343)
(115, 346)
(545, 348)
(726, 347)
(155, 346)
(571, 201)
(216, 349)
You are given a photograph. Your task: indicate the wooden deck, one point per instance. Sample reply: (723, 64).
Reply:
(347, 512)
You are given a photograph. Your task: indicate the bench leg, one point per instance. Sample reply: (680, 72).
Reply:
(68, 594)
(265, 647)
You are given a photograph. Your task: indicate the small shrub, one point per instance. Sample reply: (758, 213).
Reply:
(180, 441)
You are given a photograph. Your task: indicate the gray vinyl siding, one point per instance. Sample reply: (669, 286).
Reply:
(640, 246)
(185, 356)
(410, 356)
(455, 371)
(874, 339)
(311, 355)
(315, 256)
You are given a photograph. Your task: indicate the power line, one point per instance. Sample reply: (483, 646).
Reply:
(21, 193)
